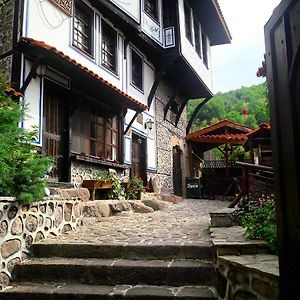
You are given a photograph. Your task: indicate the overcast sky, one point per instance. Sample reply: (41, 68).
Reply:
(235, 65)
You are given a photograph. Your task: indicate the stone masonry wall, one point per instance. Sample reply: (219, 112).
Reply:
(6, 36)
(241, 282)
(169, 136)
(23, 224)
(83, 170)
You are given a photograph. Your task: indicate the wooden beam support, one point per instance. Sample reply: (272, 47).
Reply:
(31, 75)
(195, 113)
(179, 113)
(171, 100)
(159, 76)
(131, 122)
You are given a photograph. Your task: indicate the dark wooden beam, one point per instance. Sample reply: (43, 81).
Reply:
(195, 113)
(179, 113)
(31, 74)
(172, 97)
(159, 76)
(130, 123)
(171, 100)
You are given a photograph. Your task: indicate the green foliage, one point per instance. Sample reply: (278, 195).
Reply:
(117, 191)
(22, 170)
(259, 220)
(135, 188)
(230, 106)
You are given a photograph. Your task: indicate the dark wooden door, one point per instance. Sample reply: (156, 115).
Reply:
(56, 131)
(177, 171)
(282, 35)
(138, 167)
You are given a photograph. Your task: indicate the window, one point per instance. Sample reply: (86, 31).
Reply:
(198, 42)
(188, 22)
(136, 70)
(83, 27)
(109, 48)
(205, 47)
(151, 8)
(95, 133)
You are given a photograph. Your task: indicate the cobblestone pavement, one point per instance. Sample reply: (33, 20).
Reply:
(180, 224)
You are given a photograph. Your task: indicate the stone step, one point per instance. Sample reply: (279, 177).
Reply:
(116, 271)
(50, 248)
(63, 291)
(232, 241)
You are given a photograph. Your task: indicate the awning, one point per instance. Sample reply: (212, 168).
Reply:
(77, 72)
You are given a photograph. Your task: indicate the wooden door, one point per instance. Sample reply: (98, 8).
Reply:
(282, 36)
(138, 167)
(55, 130)
(177, 171)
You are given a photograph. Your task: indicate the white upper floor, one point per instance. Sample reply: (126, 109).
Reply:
(88, 37)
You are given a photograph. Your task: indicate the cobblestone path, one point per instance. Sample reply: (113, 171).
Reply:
(180, 224)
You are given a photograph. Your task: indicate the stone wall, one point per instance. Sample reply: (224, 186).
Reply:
(247, 277)
(6, 36)
(84, 170)
(169, 136)
(21, 225)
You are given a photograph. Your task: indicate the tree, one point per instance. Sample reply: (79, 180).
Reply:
(22, 169)
(247, 105)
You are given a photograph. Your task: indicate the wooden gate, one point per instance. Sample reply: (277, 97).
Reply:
(177, 171)
(55, 130)
(282, 35)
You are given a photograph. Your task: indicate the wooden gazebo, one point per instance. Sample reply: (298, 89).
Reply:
(224, 132)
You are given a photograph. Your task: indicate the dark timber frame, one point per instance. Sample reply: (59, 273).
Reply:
(195, 113)
(283, 77)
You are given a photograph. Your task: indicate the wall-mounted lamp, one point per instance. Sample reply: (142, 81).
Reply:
(41, 70)
(149, 124)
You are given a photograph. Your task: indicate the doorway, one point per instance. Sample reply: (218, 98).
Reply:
(56, 130)
(139, 164)
(177, 171)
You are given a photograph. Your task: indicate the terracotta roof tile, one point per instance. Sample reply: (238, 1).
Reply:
(262, 127)
(12, 92)
(219, 125)
(43, 45)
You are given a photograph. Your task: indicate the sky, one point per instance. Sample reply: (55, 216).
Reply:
(235, 65)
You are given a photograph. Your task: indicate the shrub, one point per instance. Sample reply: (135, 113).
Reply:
(135, 188)
(259, 220)
(22, 170)
(117, 191)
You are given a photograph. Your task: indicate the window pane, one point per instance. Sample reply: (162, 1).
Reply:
(150, 7)
(114, 138)
(109, 47)
(197, 38)
(137, 70)
(204, 48)
(188, 22)
(114, 153)
(82, 27)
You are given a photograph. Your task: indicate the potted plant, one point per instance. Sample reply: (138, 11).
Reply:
(134, 188)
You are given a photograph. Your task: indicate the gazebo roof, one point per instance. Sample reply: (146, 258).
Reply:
(222, 132)
(263, 132)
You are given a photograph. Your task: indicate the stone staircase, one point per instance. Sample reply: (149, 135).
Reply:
(91, 271)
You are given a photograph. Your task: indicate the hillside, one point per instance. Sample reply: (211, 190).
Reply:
(247, 105)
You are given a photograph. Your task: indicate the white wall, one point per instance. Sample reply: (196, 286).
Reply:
(33, 101)
(153, 28)
(189, 53)
(130, 7)
(45, 22)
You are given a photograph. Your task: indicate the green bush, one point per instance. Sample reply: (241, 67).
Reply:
(22, 170)
(117, 191)
(135, 188)
(259, 220)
